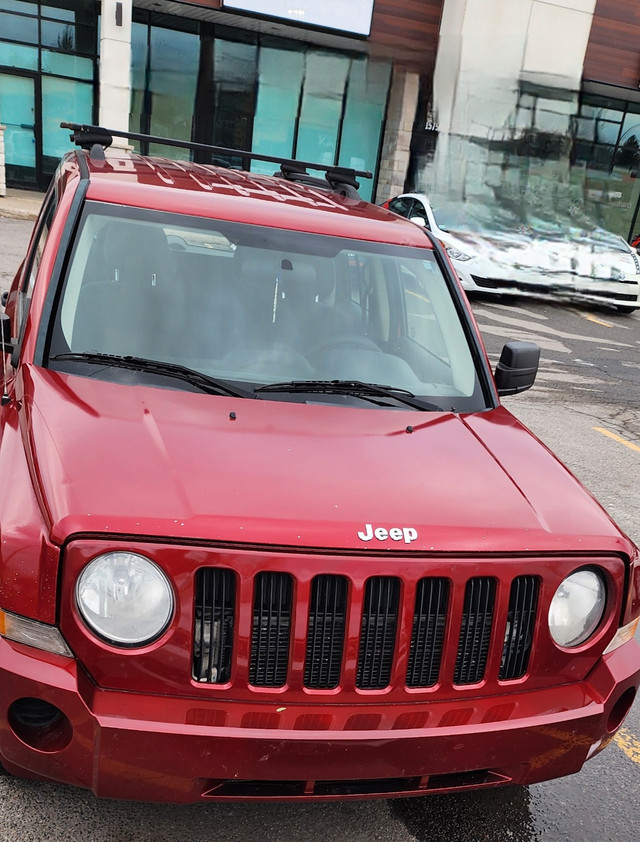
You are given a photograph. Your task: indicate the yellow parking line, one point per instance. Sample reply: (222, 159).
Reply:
(629, 743)
(591, 318)
(619, 439)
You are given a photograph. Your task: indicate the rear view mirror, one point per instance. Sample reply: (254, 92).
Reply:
(517, 368)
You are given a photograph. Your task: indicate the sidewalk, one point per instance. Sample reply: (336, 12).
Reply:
(20, 204)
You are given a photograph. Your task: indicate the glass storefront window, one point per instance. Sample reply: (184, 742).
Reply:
(324, 88)
(234, 75)
(58, 13)
(607, 132)
(25, 7)
(280, 74)
(46, 43)
(17, 109)
(173, 76)
(363, 117)
(62, 36)
(139, 64)
(63, 64)
(62, 99)
(630, 130)
(18, 28)
(18, 55)
(245, 91)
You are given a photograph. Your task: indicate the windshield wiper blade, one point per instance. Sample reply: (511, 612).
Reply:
(208, 384)
(357, 388)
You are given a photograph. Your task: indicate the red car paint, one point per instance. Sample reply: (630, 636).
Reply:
(303, 492)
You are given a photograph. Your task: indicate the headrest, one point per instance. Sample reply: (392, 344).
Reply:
(300, 277)
(138, 252)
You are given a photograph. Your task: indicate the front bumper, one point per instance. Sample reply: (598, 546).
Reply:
(156, 748)
(565, 285)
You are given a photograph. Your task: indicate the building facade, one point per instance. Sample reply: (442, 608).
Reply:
(498, 100)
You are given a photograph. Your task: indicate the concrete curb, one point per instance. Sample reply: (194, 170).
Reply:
(20, 204)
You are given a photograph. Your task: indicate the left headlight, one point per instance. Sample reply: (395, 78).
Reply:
(456, 254)
(577, 608)
(124, 598)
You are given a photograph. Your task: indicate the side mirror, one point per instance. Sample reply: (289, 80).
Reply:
(517, 368)
(418, 220)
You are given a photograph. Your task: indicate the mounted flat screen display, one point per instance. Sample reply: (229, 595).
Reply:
(350, 16)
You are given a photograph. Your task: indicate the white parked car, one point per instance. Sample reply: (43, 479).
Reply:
(494, 252)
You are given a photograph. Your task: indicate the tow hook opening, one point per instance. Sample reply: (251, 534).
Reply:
(39, 724)
(620, 710)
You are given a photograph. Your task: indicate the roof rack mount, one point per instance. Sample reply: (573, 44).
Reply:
(339, 178)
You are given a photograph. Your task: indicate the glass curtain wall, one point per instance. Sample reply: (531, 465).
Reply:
(243, 91)
(163, 81)
(321, 107)
(47, 72)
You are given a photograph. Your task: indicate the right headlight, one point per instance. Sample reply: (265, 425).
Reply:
(124, 598)
(577, 608)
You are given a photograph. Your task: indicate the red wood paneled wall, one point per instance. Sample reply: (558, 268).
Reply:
(613, 52)
(407, 31)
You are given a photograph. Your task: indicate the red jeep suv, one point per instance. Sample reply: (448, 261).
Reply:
(267, 531)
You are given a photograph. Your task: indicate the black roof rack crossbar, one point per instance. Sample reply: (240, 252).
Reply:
(87, 136)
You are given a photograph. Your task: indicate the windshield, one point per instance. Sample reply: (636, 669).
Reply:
(256, 306)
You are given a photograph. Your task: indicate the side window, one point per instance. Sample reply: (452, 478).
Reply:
(33, 264)
(418, 210)
(402, 205)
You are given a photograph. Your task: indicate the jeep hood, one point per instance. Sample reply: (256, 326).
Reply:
(119, 459)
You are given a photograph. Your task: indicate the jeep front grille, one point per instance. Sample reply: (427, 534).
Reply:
(433, 609)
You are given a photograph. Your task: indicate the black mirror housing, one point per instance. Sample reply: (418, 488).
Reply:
(516, 371)
(5, 336)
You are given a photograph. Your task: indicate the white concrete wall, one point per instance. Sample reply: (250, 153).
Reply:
(487, 46)
(396, 144)
(115, 68)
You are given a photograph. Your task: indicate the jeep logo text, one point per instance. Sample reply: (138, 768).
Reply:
(396, 533)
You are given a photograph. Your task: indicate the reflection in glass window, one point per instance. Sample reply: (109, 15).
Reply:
(607, 132)
(173, 74)
(363, 117)
(63, 96)
(64, 64)
(18, 55)
(234, 75)
(25, 7)
(324, 88)
(52, 11)
(18, 28)
(61, 36)
(139, 64)
(585, 128)
(280, 75)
